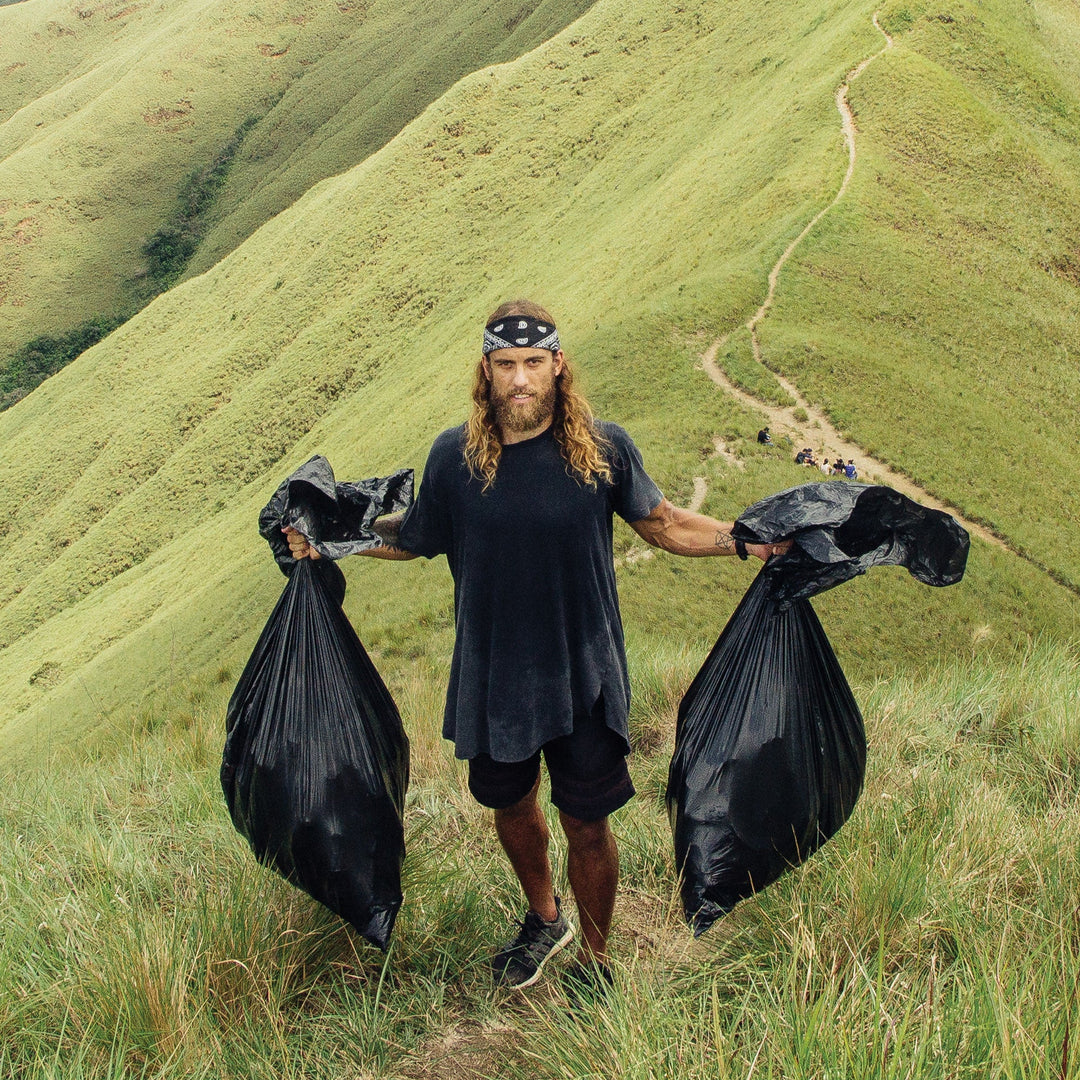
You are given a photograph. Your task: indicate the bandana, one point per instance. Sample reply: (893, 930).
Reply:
(517, 331)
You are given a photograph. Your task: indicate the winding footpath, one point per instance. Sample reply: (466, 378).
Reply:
(817, 431)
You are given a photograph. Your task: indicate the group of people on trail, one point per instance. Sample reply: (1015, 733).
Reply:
(805, 456)
(521, 499)
(839, 467)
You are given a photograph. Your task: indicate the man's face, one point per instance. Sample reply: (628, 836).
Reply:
(523, 389)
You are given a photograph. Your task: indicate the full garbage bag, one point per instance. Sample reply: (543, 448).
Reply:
(316, 761)
(770, 747)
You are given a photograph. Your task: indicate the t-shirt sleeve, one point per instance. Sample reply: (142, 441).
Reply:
(425, 529)
(634, 495)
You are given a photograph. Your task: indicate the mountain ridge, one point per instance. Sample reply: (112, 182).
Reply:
(604, 172)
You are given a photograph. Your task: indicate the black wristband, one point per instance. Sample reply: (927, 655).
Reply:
(740, 549)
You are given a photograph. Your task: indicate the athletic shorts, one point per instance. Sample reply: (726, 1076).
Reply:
(589, 777)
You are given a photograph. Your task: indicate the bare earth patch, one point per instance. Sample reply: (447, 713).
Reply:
(171, 118)
(468, 1051)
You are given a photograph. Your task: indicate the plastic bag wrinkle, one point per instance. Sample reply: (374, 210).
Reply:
(770, 746)
(842, 529)
(336, 518)
(769, 758)
(316, 761)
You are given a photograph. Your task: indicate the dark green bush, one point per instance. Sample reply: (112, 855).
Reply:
(35, 361)
(170, 249)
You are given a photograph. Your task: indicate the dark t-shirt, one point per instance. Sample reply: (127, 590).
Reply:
(539, 636)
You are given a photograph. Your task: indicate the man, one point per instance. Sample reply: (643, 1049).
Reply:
(520, 499)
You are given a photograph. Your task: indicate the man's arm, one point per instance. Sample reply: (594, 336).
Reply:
(684, 532)
(388, 529)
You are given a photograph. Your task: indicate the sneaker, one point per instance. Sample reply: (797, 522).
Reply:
(520, 962)
(587, 984)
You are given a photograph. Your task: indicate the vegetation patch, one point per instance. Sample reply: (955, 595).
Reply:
(934, 936)
(169, 250)
(35, 361)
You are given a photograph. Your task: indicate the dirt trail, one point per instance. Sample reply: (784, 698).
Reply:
(816, 431)
(828, 444)
(847, 119)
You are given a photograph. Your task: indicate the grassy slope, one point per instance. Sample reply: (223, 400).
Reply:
(640, 173)
(937, 312)
(107, 107)
(934, 937)
(361, 94)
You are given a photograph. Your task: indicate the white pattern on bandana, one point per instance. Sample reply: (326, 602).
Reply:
(537, 335)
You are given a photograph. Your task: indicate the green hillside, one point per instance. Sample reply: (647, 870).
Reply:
(937, 312)
(361, 94)
(105, 108)
(111, 112)
(640, 173)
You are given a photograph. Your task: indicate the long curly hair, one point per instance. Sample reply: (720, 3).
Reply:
(583, 446)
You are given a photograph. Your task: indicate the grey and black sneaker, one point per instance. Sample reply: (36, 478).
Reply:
(520, 962)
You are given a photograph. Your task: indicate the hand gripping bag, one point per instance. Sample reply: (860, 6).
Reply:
(316, 760)
(770, 749)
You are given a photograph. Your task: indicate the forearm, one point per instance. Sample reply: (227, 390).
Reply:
(695, 535)
(389, 530)
(686, 532)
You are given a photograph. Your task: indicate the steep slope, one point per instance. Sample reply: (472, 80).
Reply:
(640, 173)
(357, 97)
(106, 110)
(936, 312)
(110, 106)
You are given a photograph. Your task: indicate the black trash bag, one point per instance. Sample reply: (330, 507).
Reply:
(841, 529)
(770, 747)
(336, 518)
(316, 760)
(770, 754)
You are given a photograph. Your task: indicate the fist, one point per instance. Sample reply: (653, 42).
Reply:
(765, 551)
(299, 548)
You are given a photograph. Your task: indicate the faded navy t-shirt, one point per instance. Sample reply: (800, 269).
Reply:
(539, 635)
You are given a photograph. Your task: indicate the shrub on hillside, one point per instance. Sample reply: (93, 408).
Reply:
(35, 361)
(169, 250)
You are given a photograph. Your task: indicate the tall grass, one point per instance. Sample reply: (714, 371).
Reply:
(936, 935)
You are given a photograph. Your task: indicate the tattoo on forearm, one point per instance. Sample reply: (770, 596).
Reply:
(726, 543)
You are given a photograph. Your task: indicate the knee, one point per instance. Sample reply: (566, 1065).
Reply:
(585, 834)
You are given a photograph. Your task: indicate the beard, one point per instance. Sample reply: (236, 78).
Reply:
(524, 416)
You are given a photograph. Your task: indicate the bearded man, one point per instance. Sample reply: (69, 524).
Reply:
(520, 500)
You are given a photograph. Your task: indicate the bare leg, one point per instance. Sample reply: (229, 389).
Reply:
(593, 869)
(523, 833)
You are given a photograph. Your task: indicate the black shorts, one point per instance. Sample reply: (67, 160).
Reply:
(589, 777)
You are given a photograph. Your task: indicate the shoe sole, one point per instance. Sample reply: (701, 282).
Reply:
(557, 947)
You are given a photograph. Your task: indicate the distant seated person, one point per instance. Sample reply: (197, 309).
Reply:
(838, 467)
(764, 437)
(800, 457)
(850, 471)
